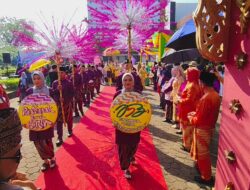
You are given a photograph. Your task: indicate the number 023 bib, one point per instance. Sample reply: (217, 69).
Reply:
(130, 112)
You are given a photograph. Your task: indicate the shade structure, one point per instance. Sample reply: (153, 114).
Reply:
(38, 64)
(184, 38)
(111, 52)
(181, 56)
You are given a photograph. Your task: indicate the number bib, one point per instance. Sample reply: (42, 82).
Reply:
(38, 112)
(130, 112)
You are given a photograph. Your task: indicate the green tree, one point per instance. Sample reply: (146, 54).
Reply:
(7, 26)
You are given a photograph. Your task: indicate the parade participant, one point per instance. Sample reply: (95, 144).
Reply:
(127, 143)
(10, 154)
(204, 120)
(116, 72)
(4, 99)
(98, 78)
(53, 74)
(23, 86)
(91, 84)
(187, 103)
(85, 81)
(67, 95)
(138, 85)
(143, 75)
(42, 139)
(109, 73)
(147, 79)
(167, 90)
(78, 91)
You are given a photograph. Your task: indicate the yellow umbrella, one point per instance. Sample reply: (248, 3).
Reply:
(111, 52)
(38, 64)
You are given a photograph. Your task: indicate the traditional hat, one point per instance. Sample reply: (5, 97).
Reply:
(207, 78)
(10, 130)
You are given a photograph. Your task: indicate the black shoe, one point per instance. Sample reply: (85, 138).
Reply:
(77, 115)
(205, 182)
(168, 121)
(184, 148)
(70, 134)
(59, 143)
(195, 165)
(178, 132)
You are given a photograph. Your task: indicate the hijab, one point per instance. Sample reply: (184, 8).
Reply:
(43, 89)
(123, 77)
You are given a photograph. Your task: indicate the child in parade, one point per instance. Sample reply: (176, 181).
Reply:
(42, 139)
(91, 83)
(127, 143)
(78, 85)
(98, 78)
(85, 81)
(67, 95)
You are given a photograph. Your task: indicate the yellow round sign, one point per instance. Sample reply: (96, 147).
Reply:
(130, 112)
(38, 112)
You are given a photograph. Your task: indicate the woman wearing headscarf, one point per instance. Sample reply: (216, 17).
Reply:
(167, 89)
(42, 139)
(187, 103)
(143, 75)
(127, 142)
(178, 80)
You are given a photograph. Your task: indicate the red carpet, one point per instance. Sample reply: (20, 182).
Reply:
(89, 159)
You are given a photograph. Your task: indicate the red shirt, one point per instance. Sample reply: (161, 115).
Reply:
(207, 110)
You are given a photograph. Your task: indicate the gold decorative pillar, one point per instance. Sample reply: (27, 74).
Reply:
(212, 19)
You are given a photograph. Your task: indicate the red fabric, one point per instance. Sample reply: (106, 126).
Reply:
(190, 96)
(89, 159)
(207, 110)
(204, 166)
(4, 102)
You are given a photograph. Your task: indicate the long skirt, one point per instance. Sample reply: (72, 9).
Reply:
(45, 148)
(187, 135)
(200, 151)
(126, 154)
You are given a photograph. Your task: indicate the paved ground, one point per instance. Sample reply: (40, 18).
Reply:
(177, 165)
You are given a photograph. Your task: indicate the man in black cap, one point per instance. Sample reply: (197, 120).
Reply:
(67, 95)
